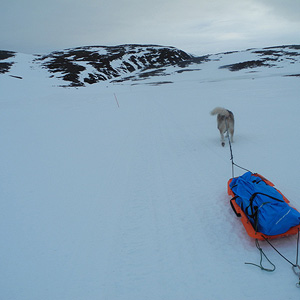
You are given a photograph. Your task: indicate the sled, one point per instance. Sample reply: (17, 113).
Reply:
(251, 227)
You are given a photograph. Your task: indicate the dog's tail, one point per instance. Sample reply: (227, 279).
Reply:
(220, 110)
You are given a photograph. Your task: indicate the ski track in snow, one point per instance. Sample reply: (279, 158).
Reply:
(130, 202)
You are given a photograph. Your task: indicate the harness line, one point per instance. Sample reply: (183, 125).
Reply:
(231, 153)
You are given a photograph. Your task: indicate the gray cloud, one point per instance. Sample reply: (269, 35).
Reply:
(289, 9)
(196, 26)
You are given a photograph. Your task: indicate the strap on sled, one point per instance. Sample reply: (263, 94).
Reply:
(254, 209)
(233, 208)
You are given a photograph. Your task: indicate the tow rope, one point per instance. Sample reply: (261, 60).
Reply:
(231, 153)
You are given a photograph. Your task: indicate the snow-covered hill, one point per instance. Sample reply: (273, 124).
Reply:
(118, 190)
(88, 65)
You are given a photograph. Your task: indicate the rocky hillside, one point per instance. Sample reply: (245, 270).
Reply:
(88, 65)
(4, 65)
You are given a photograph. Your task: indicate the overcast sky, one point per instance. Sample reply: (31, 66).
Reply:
(195, 26)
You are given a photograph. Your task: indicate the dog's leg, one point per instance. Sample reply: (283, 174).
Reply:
(222, 138)
(231, 135)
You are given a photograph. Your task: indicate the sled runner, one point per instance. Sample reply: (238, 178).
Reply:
(264, 211)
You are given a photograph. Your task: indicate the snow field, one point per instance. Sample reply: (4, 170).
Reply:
(130, 202)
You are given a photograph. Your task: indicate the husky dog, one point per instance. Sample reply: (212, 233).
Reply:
(225, 120)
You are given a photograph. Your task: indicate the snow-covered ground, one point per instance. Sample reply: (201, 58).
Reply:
(129, 202)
